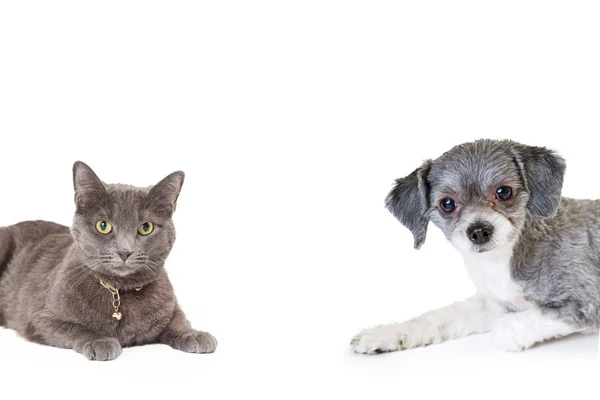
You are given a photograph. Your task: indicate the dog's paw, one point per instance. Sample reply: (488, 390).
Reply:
(507, 335)
(101, 349)
(377, 340)
(195, 342)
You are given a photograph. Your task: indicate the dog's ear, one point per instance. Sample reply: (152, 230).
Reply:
(409, 202)
(542, 171)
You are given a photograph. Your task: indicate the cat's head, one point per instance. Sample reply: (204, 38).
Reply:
(124, 232)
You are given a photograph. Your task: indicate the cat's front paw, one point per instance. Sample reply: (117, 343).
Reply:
(195, 342)
(377, 340)
(104, 349)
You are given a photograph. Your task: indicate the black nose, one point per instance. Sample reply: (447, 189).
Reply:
(124, 254)
(480, 233)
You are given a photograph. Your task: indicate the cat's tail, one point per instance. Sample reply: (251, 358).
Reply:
(7, 249)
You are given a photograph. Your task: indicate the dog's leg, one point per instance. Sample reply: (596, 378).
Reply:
(521, 330)
(476, 314)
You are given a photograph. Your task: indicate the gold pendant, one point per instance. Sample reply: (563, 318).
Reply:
(117, 314)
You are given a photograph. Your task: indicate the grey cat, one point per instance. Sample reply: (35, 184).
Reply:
(99, 286)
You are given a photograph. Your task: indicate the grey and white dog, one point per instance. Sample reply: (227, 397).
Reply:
(533, 256)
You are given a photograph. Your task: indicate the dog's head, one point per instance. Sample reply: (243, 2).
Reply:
(479, 193)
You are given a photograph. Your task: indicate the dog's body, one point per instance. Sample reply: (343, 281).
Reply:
(533, 256)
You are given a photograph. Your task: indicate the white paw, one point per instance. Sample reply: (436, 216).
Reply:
(379, 339)
(507, 335)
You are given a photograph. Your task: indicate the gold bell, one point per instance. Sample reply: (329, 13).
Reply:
(117, 314)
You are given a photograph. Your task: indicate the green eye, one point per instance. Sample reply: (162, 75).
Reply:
(104, 227)
(145, 229)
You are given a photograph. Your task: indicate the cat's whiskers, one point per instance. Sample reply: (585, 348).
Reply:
(151, 269)
(98, 262)
(148, 268)
(82, 275)
(106, 262)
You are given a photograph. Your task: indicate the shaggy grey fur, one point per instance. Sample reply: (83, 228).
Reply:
(556, 258)
(50, 276)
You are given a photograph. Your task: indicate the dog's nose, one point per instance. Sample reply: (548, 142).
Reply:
(480, 233)
(124, 254)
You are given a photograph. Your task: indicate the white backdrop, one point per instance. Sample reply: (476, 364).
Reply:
(291, 121)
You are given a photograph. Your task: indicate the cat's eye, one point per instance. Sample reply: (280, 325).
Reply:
(448, 205)
(145, 228)
(504, 193)
(104, 227)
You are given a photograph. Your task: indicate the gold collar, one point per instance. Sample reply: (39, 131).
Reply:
(116, 299)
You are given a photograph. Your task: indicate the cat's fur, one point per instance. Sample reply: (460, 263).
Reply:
(50, 289)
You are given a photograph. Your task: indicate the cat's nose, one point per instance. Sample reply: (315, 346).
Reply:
(124, 254)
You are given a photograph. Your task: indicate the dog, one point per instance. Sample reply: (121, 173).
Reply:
(533, 255)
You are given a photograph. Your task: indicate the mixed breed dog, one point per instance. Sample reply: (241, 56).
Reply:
(534, 257)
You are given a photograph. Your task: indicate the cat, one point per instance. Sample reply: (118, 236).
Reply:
(100, 285)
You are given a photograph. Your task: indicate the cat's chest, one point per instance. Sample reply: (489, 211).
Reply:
(132, 317)
(491, 274)
(140, 316)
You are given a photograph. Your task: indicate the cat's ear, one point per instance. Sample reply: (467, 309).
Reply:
(162, 198)
(89, 189)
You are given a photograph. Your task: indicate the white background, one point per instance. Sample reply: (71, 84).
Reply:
(291, 121)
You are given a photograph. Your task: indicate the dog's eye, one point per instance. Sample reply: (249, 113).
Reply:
(448, 205)
(503, 193)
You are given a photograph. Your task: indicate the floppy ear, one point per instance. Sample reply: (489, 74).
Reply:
(542, 171)
(162, 198)
(89, 190)
(408, 201)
